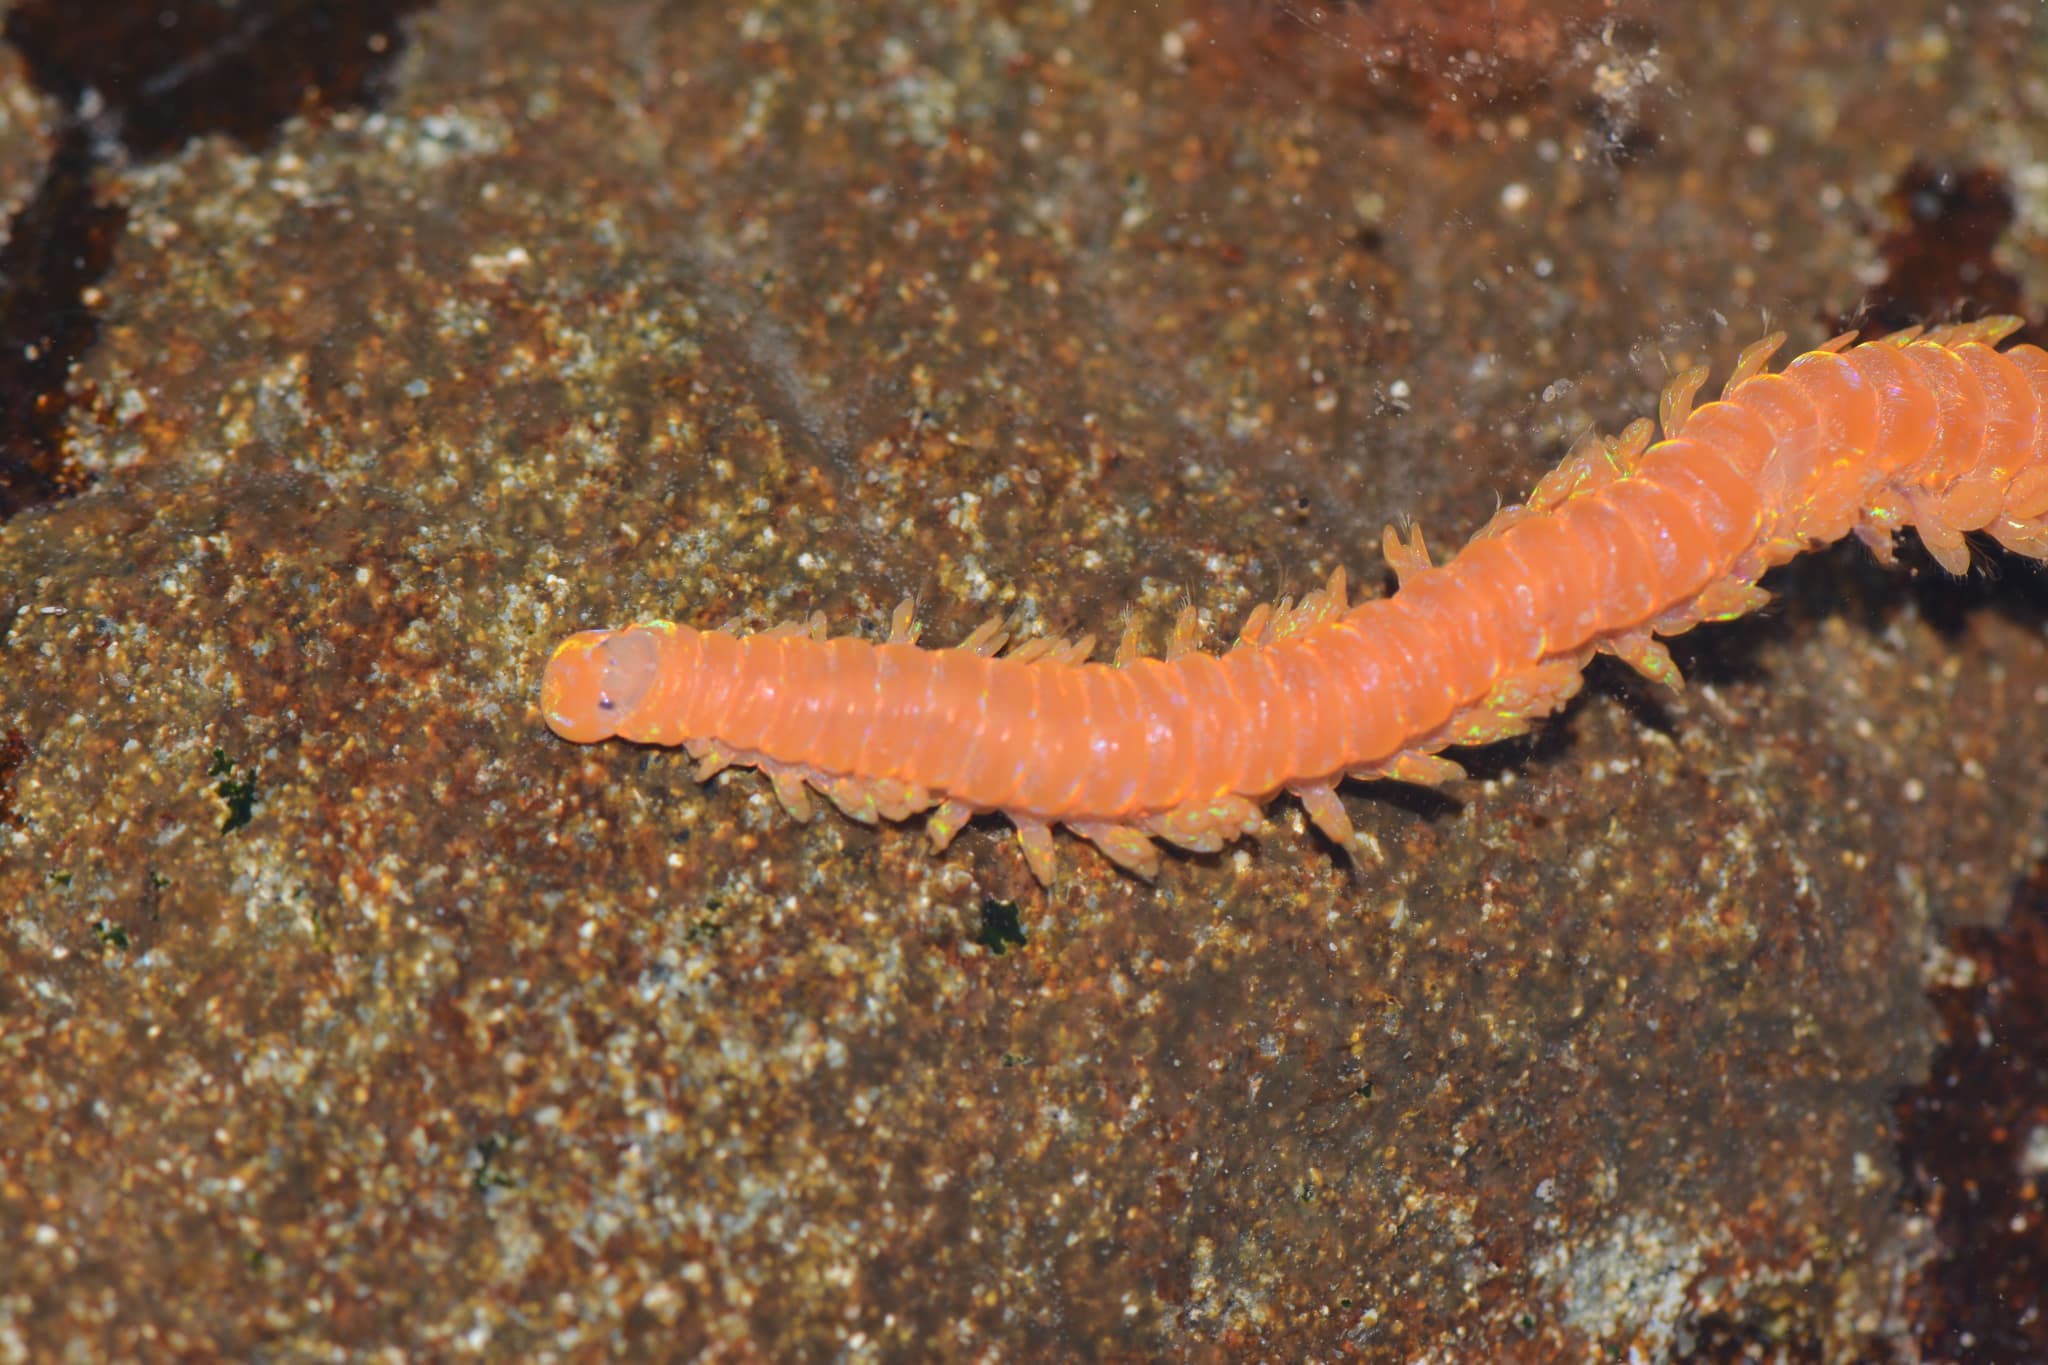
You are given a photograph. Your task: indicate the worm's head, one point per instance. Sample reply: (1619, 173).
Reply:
(595, 680)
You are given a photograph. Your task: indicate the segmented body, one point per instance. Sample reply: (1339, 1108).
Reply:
(1625, 541)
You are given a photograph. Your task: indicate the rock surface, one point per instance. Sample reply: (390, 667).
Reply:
(341, 1006)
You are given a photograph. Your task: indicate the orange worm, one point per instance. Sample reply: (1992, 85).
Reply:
(1625, 541)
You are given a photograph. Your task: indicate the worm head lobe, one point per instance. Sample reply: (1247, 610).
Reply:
(595, 680)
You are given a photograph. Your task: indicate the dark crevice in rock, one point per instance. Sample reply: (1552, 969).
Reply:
(1939, 259)
(145, 76)
(58, 247)
(1973, 1142)
(160, 74)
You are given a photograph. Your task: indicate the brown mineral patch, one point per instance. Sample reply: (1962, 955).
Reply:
(13, 753)
(1452, 62)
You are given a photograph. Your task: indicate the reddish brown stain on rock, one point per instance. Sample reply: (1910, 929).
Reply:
(1450, 63)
